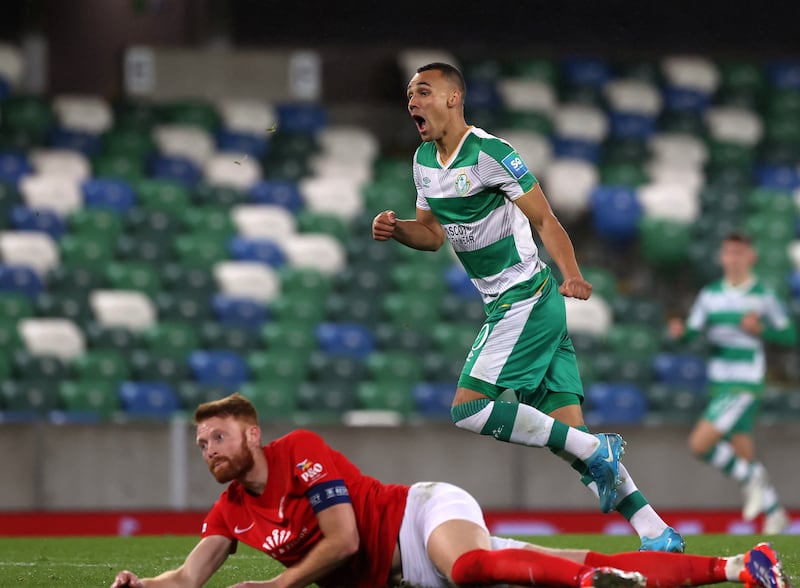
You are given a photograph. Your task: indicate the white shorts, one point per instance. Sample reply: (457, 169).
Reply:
(430, 504)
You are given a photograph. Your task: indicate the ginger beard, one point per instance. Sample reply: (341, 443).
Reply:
(225, 469)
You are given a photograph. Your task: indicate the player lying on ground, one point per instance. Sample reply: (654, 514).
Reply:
(310, 508)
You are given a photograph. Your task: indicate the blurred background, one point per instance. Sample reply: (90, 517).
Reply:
(186, 194)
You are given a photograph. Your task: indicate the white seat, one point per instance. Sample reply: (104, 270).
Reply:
(247, 115)
(349, 144)
(247, 279)
(633, 96)
(410, 59)
(128, 309)
(315, 251)
(59, 337)
(734, 125)
(535, 149)
(568, 184)
(187, 141)
(12, 63)
(679, 149)
(669, 201)
(90, 114)
(794, 254)
(60, 162)
(60, 194)
(580, 121)
(661, 172)
(358, 172)
(523, 95)
(693, 72)
(34, 249)
(263, 221)
(232, 169)
(592, 316)
(336, 195)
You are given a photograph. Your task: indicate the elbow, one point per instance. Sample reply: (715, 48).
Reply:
(349, 545)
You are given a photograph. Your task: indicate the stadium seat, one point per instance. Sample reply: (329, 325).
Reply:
(325, 367)
(198, 250)
(87, 144)
(108, 193)
(227, 369)
(153, 248)
(734, 124)
(419, 277)
(327, 397)
(33, 249)
(90, 397)
(28, 112)
(101, 365)
(440, 366)
(60, 194)
(394, 366)
(148, 399)
(247, 279)
(205, 194)
(299, 337)
(247, 115)
(664, 243)
(386, 395)
(282, 193)
(123, 308)
(684, 370)
(175, 276)
(264, 221)
(279, 365)
(528, 95)
(315, 251)
(433, 400)
(339, 195)
(134, 276)
(162, 193)
(463, 309)
(86, 113)
(147, 366)
(30, 400)
(243, 312)
(275, 400)
(172, 337)
(632, 96)
(569, 185)
(633, 340)
(235, 170)
(615, 404)
(58, 337)
(454, 340)
(616, 212)
(111, 337)
(10, 340)
(262, 250)
(182, 140)
(410, 310)
(309, 221)
(588, 316)
(188, 305)
(95, 221)
(349, 340)
(23, 218)
(216, 335)
(20, 279)
(298, 118)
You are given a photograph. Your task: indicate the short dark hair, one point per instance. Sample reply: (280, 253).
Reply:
(449, 71)
(235, 405)
(738, 236)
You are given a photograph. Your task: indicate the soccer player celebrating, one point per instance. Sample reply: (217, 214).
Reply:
(307, 506)
(475, 190)
(738, 313)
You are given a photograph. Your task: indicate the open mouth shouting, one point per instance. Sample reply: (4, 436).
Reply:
(422, 124)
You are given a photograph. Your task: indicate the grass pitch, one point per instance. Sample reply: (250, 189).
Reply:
(89, 562)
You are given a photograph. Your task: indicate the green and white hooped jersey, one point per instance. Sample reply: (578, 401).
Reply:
(736, 356)
(472, 196)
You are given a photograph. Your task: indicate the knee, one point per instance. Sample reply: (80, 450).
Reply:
(468, 569)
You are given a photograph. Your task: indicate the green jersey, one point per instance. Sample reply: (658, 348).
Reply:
(737, 357)
(472, 196)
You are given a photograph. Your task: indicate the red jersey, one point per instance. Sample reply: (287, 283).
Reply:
(282, 522)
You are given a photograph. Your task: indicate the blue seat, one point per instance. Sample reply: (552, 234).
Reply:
(148, 399)
(46, 221)
(242, 312)
(82, 141)
(263, 250)
(615, 403)
(778, 177)
(348, 339)
(111, 193)
(459, 283)
(433, 399)
(794, 284)
(586, 71)
(680, 369)
(298, 117)
(20, 278)
(484, 94)
(171, 167)
(279, 192)
(615, 213)
(681, 99)
(631, 125)
(784, 74)
(236, 142)
(13, 166)
(569, 148)
(5, 87)
(226, 369)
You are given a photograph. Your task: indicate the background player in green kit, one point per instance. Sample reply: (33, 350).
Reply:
(738, 313)
(475, 190)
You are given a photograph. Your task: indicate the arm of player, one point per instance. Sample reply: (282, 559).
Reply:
(201, 563)
(340, 540)
(425, 232)
(555, 239)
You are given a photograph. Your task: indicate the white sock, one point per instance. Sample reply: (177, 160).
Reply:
(733, 567)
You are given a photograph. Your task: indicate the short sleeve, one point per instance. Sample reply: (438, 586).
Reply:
(214, 523)
(314, 461)
(422, 202)
(500, 165)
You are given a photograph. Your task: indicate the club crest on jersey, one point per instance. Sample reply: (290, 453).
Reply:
(276, 540)
(462, 184)
(515, 165)
(309, 470)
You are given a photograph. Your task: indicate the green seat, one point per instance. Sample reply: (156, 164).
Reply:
(12, 139)
(286, 168)
(39, 367)
(419, 277)
(394, 366)
(279, 364)
(771, 205)
(90, 252)
(205, 194)
(179, 337)
(152, 248)
(30, 113)
(394, 337)
(637, 341)
(169, 196)
(309, 221)
(209, 220)
(741, 75)
(535, 122)
(664, 243)
(302, 306)
(587, 370)
(783, 128)
(130, 168)
(721, 199)
(386, 395)
(148, 366)
(391, 169)
(297, 336)
(132, 275)
(183, 305)
(135, 114)
(293, 145)
(356, 306)
(624, 150)
(771, 228)
(643, 71)
(779, 153)
(612, 367)
(362, 276)
(326, 368)
(193, 112)
(128, 141)
(391, 194)
(783, 103)
(87, 222)
(73, 305)
(588, 95)
(454, 339)
(139, 221)
(35, 397)
(9, 198)
(534, 68)
(331, 397)
(725, 154)
(603, 281)
(459, 309)
(199, 250)
(214, 335)
(175, 276)
(443, 257)
(101, 364)
(636, 309)
(90, 396)
(6, 367)
(622, 174)
(10, 340)
(275, 400)
(105, 337)
(191, 394)
(15, 306)
(440, 367)
(676, 121)
(412, 310)
(298, 279)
